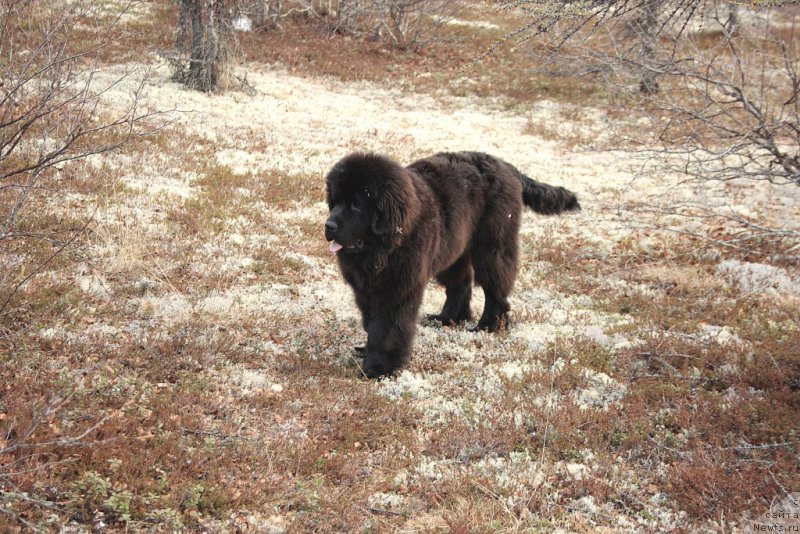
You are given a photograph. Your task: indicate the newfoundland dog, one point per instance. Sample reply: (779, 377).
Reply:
(454, 216)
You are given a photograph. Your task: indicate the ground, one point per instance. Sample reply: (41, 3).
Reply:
(648, 381)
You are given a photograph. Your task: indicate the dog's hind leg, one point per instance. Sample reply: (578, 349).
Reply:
(457, 280)
(494, 258)
(496, 307)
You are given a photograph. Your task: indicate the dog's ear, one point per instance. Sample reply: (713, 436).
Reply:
(395, 206)
(387, 214)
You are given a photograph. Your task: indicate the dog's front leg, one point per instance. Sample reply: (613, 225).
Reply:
(390, 336)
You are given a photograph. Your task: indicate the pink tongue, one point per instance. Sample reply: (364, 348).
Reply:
(335, 247)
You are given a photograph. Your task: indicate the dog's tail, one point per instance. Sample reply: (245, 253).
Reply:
(547, 199)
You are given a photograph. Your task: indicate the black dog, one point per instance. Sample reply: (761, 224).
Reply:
(451, 216)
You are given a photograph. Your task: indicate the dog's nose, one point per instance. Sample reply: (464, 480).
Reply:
(331, 226)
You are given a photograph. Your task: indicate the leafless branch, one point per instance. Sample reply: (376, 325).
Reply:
(19, 447)
(51, 115)
(714, 83)
(18, 518)
(722, 98)
(405, 24)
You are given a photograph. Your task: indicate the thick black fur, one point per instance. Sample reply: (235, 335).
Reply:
(454, 216)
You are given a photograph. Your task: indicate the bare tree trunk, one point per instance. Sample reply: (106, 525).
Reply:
(260, 13)
(211, 58)
(273, 12)
(267, 14)
(732, 22)
(183, 25)
(644, 28)
(210, 55)
(196, 61)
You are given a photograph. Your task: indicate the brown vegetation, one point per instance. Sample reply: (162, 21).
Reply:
(165, 371)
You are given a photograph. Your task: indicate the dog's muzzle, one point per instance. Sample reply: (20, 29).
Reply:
(330, 229)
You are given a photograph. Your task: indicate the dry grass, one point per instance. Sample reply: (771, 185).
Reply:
(455, 64)
(201, 338)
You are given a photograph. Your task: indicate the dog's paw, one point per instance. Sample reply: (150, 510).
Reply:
(378, 367)
(432, 319)
(361, 350)
(498, 323)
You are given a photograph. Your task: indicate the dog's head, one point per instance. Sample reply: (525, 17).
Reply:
(371, 201)
(348, 225)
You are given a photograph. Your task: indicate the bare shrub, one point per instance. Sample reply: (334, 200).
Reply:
(705, 89)
(405, 24)
(24, 453)
(412, 23)
(50, 117)
(266, 13)
(729, 101)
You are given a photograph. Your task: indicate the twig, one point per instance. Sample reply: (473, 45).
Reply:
(215, 434)
(45, 466)
(75, 441)
(486, 491)
(749, 447)
(783, 489)
(43, 264)
(382, 511)
(20, 519)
